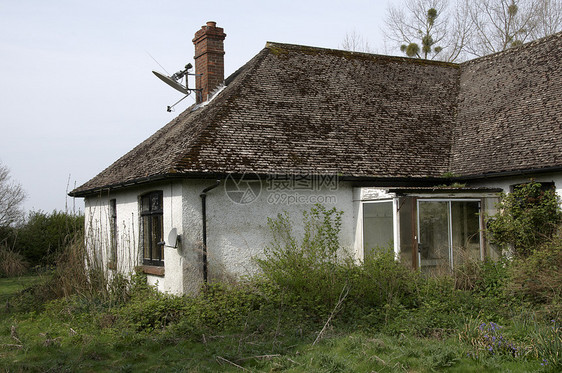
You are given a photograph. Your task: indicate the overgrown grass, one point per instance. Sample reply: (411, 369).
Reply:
(310, 309)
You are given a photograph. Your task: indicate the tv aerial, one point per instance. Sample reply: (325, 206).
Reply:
(174, 81)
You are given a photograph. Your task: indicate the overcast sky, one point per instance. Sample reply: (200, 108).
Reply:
(77, 90)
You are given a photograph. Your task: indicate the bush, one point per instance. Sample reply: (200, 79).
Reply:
(42, 237)
(309, 270)
(487, 278)
(538, 278)
(527, 218)
(381, 284)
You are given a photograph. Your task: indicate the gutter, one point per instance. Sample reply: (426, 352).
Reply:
(203, 196)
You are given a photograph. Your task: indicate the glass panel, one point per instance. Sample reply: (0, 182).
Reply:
(146, 236)
(405, 205)
(490, 207)
(145, 203)
(377, 226)
(433, 240)
(113, 232)
(155, 201)
(465, 231)
(156, 238)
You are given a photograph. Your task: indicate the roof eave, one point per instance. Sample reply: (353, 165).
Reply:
(521, 172)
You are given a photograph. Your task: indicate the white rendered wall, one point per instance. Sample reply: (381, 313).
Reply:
(238, 232)
(128, 231)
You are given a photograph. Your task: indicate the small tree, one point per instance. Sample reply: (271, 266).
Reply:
(12, 196)
(527, 218)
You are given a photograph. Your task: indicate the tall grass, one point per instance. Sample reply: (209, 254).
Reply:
(312, 308)
(12, 264)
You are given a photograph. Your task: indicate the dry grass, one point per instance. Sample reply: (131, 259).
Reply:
(12, 264)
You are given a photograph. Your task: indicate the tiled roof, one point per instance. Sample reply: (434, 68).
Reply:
(510, 111)
(297, 110)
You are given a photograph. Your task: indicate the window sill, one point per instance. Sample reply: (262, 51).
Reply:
(152, 270)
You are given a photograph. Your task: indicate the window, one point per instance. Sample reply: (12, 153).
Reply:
(378, 226)
(113, 232)
(448, 232)
(151, 229)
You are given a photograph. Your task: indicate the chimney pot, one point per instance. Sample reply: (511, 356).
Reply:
(211, 24)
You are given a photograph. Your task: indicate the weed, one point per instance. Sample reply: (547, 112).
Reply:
(548, 345)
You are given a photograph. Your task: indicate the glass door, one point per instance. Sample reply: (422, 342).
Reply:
(448, 233)
(433, 236)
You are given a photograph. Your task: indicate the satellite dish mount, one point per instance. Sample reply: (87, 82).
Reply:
(174, 81)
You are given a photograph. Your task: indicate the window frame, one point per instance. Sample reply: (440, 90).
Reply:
(149, 215)
(386, 200)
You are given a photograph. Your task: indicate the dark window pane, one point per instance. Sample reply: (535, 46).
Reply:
(146, 203)
(156, 237)
(146, 236)
(155, 202)
(152, 228)
(407, 227)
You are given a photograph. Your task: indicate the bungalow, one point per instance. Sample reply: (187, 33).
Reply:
(412, 151)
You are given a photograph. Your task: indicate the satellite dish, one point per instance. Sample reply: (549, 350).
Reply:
(173, 238)
(171, 82)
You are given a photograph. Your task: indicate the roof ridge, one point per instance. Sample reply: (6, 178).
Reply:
(281, 48)
(515, 49)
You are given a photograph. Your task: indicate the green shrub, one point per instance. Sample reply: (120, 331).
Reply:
(538, 278)
(309, 270)
(152, 310)
(527, 218)
(485, 278)
(42, 237)
(381, 290)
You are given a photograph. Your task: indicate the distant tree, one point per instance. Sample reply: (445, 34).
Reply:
(355, 43)
(426, 29)
(548, 18)
(453, 32)
(12, 196)
(427, 42)
(500, 24)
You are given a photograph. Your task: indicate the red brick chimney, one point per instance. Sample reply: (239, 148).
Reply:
(209, 59)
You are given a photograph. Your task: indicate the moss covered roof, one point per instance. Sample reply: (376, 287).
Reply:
(299, 110)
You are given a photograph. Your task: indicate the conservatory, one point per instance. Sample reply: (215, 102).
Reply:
(428, 228)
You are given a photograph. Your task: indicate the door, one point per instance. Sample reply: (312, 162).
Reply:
(448, 233)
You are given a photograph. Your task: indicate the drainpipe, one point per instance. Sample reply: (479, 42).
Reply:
(203, 196)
